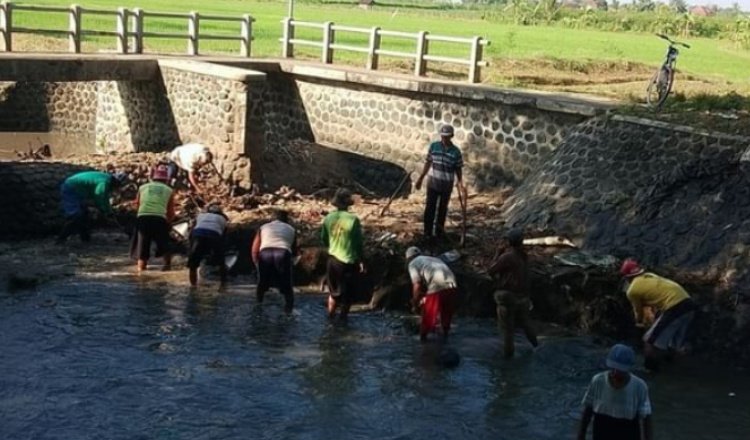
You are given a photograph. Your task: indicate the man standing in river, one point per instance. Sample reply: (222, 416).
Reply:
(510, 271)
(444, 164)
(272, 251)
(672, 303)
(342, 235)
(617, 401)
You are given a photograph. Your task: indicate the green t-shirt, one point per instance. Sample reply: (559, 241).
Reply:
(92, 185)
(342, 233)
(153, 199)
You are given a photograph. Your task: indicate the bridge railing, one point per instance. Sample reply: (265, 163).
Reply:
(420, 54)
(129, 30)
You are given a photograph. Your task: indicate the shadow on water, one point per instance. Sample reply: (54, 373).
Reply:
(92, 359)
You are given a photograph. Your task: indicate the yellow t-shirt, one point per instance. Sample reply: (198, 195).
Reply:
(651, 290)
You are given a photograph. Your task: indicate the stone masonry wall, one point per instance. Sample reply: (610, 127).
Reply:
(68, 107)
(501, 143)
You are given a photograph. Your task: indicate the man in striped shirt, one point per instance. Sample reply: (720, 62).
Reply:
(444, 163)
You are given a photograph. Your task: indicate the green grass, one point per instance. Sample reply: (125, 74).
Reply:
(716, 60)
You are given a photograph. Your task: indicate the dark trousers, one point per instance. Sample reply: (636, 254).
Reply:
(512, 313)
(436, 201)
(150, 228)
(275, 268)
(80, 224)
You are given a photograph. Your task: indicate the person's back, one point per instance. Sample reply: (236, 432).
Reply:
(277, 234)
(652, 290)
(433, 273)
(511, 270)
(189, 155)
(154, 198)
(94, 185)
(342, 234)
(210, 224)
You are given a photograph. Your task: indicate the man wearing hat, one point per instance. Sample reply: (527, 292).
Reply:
(342, 235)
(673, 305)
(155, 206)
(510, 271)
(617, 401)
(434, 288)
(80, 190)
(443, 165)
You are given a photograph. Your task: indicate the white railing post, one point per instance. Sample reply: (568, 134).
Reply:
(6, 26)
(287, 49)
(422, 47)
(475, 57)
(137, 30)
(74, 29)
(247, 35)
(193, 33)
(326, 55)
(372, 52)
(122, 29)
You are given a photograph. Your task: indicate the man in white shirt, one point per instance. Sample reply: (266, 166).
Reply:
(273, 247)
(434, 287)
(617, 401)
(207, 240)
(189, 158)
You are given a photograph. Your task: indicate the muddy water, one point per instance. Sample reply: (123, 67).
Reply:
(104, 355)
(62, 144)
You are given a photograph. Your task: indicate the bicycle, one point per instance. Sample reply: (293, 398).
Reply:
(663, 79)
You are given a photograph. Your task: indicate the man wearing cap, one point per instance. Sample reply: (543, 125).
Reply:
(443, 165)
(673, 305)
(510, 271)
(434, 288)
(342, 235)
(617, 401)
(77, 192)
(207, 240)
(189, 158)
(155, 206)
(273, 247)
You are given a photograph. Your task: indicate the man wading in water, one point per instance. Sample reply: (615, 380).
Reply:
(512, 298)
(155, 206)
(618, 401)
(272, 251)
(342, 235)
(444, 163)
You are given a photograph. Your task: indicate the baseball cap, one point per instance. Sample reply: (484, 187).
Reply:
(412, 252)
(621, 358)
(446, 130)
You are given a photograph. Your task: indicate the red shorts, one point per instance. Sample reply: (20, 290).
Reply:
(442, 304)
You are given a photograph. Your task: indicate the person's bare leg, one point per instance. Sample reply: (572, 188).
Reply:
(142, 264)
(167, 262)
(331, 307)
(505, 322)
(193, 274)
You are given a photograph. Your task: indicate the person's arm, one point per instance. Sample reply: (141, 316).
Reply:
(295, 245)
(635, 301)
(101, 198)
(588, 413)
(500, 265)
(137, 201)
(193, 181)
(416, 294)
(648, 429)
(324, 234)
(255, 250)
(170, 208)
(425, 170)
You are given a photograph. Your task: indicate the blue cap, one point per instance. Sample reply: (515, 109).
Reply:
(621, 358)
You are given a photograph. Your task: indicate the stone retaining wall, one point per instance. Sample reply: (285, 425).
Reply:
(68, 107)
(501, 143)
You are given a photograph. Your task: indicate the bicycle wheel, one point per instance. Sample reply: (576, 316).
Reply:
(659, 87)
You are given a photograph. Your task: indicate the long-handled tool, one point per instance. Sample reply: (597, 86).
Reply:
(395, 193)
(462, 200)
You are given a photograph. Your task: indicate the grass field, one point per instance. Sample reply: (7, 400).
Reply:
(552, 58)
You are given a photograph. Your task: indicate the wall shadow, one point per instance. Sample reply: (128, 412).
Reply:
(23, 107)
(149, 115)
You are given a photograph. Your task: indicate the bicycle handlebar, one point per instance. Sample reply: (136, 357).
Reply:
(673, 42)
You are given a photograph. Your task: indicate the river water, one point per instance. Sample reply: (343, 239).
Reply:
(109, 356)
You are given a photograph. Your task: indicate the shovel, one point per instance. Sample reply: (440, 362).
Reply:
(462, 201)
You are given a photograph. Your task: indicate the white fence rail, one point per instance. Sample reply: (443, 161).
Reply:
(420, 55)
(129, 30)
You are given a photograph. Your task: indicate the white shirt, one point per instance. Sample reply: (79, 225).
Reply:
(277, 234)
(189, 155)
(432, 273)
(628, 402)
(211, 222)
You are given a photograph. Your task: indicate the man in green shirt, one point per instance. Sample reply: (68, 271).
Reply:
(155, 205)
(342, 235)
(78, 192)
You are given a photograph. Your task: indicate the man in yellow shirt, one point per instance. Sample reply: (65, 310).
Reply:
(675, 310)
